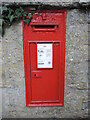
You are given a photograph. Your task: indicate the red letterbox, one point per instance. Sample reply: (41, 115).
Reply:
(44, 58)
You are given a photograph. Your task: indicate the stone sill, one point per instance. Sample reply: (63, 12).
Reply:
(57, 3)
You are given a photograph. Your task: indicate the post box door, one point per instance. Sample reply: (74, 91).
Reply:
(44, 72)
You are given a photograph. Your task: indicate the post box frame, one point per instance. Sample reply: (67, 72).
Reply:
(26, 50)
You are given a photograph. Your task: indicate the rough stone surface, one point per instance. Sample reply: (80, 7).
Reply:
(0, 66)
(61, 3)
(76, 69)
(0, 77)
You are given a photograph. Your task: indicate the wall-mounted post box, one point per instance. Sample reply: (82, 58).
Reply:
(44, 58)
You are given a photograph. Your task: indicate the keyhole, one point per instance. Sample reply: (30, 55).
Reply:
(35, 75)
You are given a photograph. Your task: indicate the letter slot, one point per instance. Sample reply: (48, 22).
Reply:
(44, 28)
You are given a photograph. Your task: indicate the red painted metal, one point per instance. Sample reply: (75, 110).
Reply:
(45, 86)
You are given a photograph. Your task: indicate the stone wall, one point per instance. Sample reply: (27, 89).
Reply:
(0, 77)
(0, 66)
(76, 69)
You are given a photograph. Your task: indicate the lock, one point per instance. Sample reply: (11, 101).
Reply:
(36, 74)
